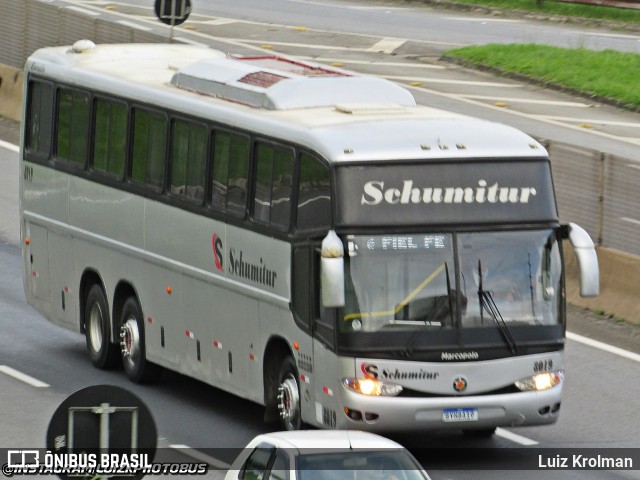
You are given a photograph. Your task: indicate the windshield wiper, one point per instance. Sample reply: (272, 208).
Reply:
(446, 268)
(486, 302)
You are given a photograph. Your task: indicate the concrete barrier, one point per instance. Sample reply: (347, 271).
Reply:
(10, 92)
(619, 284)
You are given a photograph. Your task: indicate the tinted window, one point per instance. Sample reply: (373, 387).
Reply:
(38, 130)
(230, 172)
(149, 147)
(314, 194)
(188, 160)
(73, 126)
(110, 137)
(274, 174)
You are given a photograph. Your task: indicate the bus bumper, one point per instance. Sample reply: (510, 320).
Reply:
(395, 414)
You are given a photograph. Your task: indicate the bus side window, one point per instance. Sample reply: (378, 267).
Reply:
(73, 126)
(188, 160)
(314, 194)
(39, 119)
(110, 137)
(149, 147)
(272, 198)
(230, 173)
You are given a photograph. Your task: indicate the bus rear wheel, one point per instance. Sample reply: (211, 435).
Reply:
(134, 360)
(288, 399)
(102, 352)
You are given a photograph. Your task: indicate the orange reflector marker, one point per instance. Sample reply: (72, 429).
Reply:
(251, 357)
(296, 345)
(27, 240)
(169, 290)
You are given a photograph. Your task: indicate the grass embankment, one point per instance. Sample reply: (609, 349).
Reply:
(608, 73)
(551, 7)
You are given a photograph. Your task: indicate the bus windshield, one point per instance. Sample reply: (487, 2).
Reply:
(452, 280)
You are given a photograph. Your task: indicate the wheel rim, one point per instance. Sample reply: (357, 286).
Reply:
(130, 341)
(289, 402)
(96, 320)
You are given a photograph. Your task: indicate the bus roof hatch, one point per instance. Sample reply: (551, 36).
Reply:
(279, 83)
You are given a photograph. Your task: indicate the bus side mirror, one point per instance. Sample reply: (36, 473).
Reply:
(587, 261)
(332, 271)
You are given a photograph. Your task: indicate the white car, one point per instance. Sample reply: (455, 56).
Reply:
(325, 455)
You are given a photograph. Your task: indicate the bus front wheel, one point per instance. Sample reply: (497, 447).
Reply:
(289, 396)
(132, 348)
(103, 353)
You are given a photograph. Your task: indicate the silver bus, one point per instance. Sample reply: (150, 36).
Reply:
(304, 237)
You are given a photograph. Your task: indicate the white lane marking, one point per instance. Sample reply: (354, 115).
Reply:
(373, 63)
(604, 346)
(631, 165)
(299, 45)
(529, 100)
(387, 45)
(302, 45)
(483, 20)
(23, 377)
(190, 42)
(216, 21)
(514, 437)
(612, 35)
(630, 220)
(349, 7)
(84, 10)
(137, 26)
(203, 457)
(9, 146)
(452, 82)
(592, 121)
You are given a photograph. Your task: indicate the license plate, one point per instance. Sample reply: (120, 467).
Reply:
(460, 415)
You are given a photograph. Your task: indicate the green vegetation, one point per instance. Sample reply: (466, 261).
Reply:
(607, 73)
(552, 7)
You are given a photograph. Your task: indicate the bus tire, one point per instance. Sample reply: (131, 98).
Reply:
(288, 399)
(132, 347)
(102, 352)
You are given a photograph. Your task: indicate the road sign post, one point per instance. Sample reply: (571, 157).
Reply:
(172, 12)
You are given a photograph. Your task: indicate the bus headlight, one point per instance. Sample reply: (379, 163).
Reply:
(372, 387)
(541, 381)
